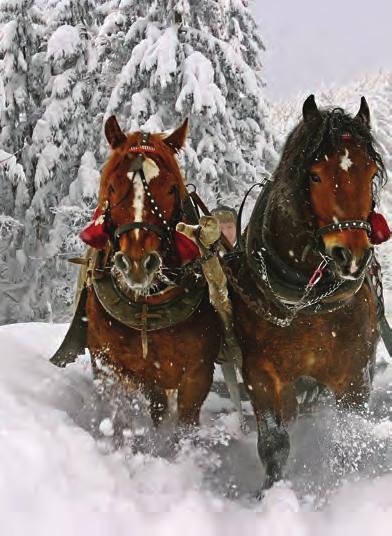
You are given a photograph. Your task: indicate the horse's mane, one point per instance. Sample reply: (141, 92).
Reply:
(311, 140)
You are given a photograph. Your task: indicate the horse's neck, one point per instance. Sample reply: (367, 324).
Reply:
(287, 227)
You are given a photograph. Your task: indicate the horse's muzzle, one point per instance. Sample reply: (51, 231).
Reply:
(349, 265)
(140, 274)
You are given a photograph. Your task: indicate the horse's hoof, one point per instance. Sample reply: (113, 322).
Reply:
(270, 479)
(260, 495)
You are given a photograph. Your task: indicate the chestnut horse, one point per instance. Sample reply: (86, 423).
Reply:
(290, 323)
(152, 326)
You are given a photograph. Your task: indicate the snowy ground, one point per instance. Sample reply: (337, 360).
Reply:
(60, 474)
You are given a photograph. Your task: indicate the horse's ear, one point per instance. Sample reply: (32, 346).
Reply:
(364, 113)
(177, 139)
(309, 109)
(113, 133)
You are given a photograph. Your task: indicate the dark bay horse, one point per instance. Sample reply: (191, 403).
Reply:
(154, 327)
(290, 323)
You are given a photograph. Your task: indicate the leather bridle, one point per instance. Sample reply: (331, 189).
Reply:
(342, 226)
(283, 283)
(165, 233)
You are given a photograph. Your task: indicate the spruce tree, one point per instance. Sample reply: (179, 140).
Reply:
(21, 36)
(201, 59)
(60, 138)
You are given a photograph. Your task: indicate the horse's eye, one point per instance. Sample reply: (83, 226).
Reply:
(314, 177)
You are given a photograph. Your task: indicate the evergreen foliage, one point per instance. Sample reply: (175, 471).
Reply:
(65, 66)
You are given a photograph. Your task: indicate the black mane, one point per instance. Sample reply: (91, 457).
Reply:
(311, 140)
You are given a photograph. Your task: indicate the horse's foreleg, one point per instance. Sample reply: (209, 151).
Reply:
(192, 391)
(288, 403)
(273, 442)
(158, 402)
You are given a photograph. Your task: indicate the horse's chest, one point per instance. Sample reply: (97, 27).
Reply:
(327, 345)
(171, 351)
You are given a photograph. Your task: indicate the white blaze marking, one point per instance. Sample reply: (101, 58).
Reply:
(345, 162)
(151, 170)
(353, 267)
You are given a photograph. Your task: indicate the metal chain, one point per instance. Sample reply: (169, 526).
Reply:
(255, 305)
(259, 308)
(302, 303)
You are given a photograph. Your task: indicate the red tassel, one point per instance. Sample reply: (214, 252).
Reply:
(95, 234)
(187, 250)
(380, 229)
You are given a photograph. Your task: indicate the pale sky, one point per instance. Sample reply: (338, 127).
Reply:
(331, 41)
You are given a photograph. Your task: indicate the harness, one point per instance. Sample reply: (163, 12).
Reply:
(289, 291)
(166, 231)
(142, 315)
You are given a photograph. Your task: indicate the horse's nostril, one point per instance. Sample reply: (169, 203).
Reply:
(341, 256)
(121, 262)
(151, 262)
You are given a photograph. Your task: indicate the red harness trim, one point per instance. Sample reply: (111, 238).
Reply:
(142, 149)
(186, 248)
(380, 229)
(96, 235)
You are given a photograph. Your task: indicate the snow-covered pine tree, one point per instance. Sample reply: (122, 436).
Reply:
(202, 59)
(21, 35)
(59, 131)
(60, 138)
(21, 73)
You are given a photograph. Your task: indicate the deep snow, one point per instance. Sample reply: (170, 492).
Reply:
(60, 474)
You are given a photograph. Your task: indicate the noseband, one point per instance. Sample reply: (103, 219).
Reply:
(342, 226)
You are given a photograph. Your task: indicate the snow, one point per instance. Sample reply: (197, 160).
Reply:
(15, 171)
(162, 56)
(63, 471)
(64, 42)
(7, 36)
(199, 87)
(46, 163)
(87, 182)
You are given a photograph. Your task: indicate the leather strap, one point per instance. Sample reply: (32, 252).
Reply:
(140, 225)
(343, 225)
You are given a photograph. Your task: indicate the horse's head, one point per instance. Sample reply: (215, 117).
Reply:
(341, 177)
(143, 188)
